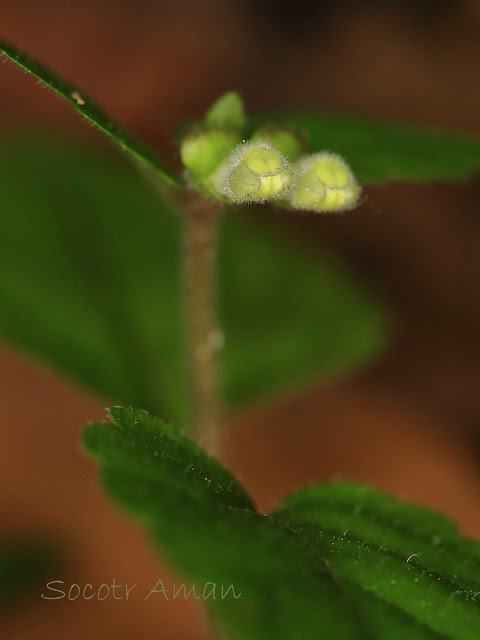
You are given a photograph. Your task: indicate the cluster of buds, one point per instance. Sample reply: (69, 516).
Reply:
(271, 166)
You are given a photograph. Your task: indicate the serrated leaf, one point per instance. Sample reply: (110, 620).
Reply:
(382, 151)
(140, 441)
(84, 105)
(410, 558)
(90, 281)
(299, 573)
(214, 540)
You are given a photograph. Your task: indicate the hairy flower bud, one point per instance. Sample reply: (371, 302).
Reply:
(324, 182)
(284, 141)
(253, 172)
(202, 152)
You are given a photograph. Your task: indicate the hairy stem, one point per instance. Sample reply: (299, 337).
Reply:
(204, 336)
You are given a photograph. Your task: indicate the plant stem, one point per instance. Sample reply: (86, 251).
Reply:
(204, 337)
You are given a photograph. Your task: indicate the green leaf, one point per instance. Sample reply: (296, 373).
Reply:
(291, 316)
(88, 109)
(89, 261)
(379, 151)
(340, 561)
(227, 112)
(411, 559)
(90, 281)
(213, 537)
(158, 453)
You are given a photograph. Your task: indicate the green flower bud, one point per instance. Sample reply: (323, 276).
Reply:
(202, 152)
(254, 172)
(324, 182)
(226, 112)
(285, 141)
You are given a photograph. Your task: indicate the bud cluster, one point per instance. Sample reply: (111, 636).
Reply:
(272, 165)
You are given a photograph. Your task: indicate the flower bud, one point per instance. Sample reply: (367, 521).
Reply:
(324, 182)
(202, 152)
(226, 112)
(254, 172)
(284, 141)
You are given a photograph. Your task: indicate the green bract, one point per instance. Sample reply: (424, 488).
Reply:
(227, 111)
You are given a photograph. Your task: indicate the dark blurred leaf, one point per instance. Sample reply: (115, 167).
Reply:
(90, 282)
(89, 273)
(341, 561)
(378, 152)
(82, 103)
(23, 566)
(289, 315)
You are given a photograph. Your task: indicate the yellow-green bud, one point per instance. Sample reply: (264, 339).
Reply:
(227, 112)
(254, 172)
(202, 152)
(324, 182)
(285, 141)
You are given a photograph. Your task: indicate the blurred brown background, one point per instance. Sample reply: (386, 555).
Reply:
(409, 423)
